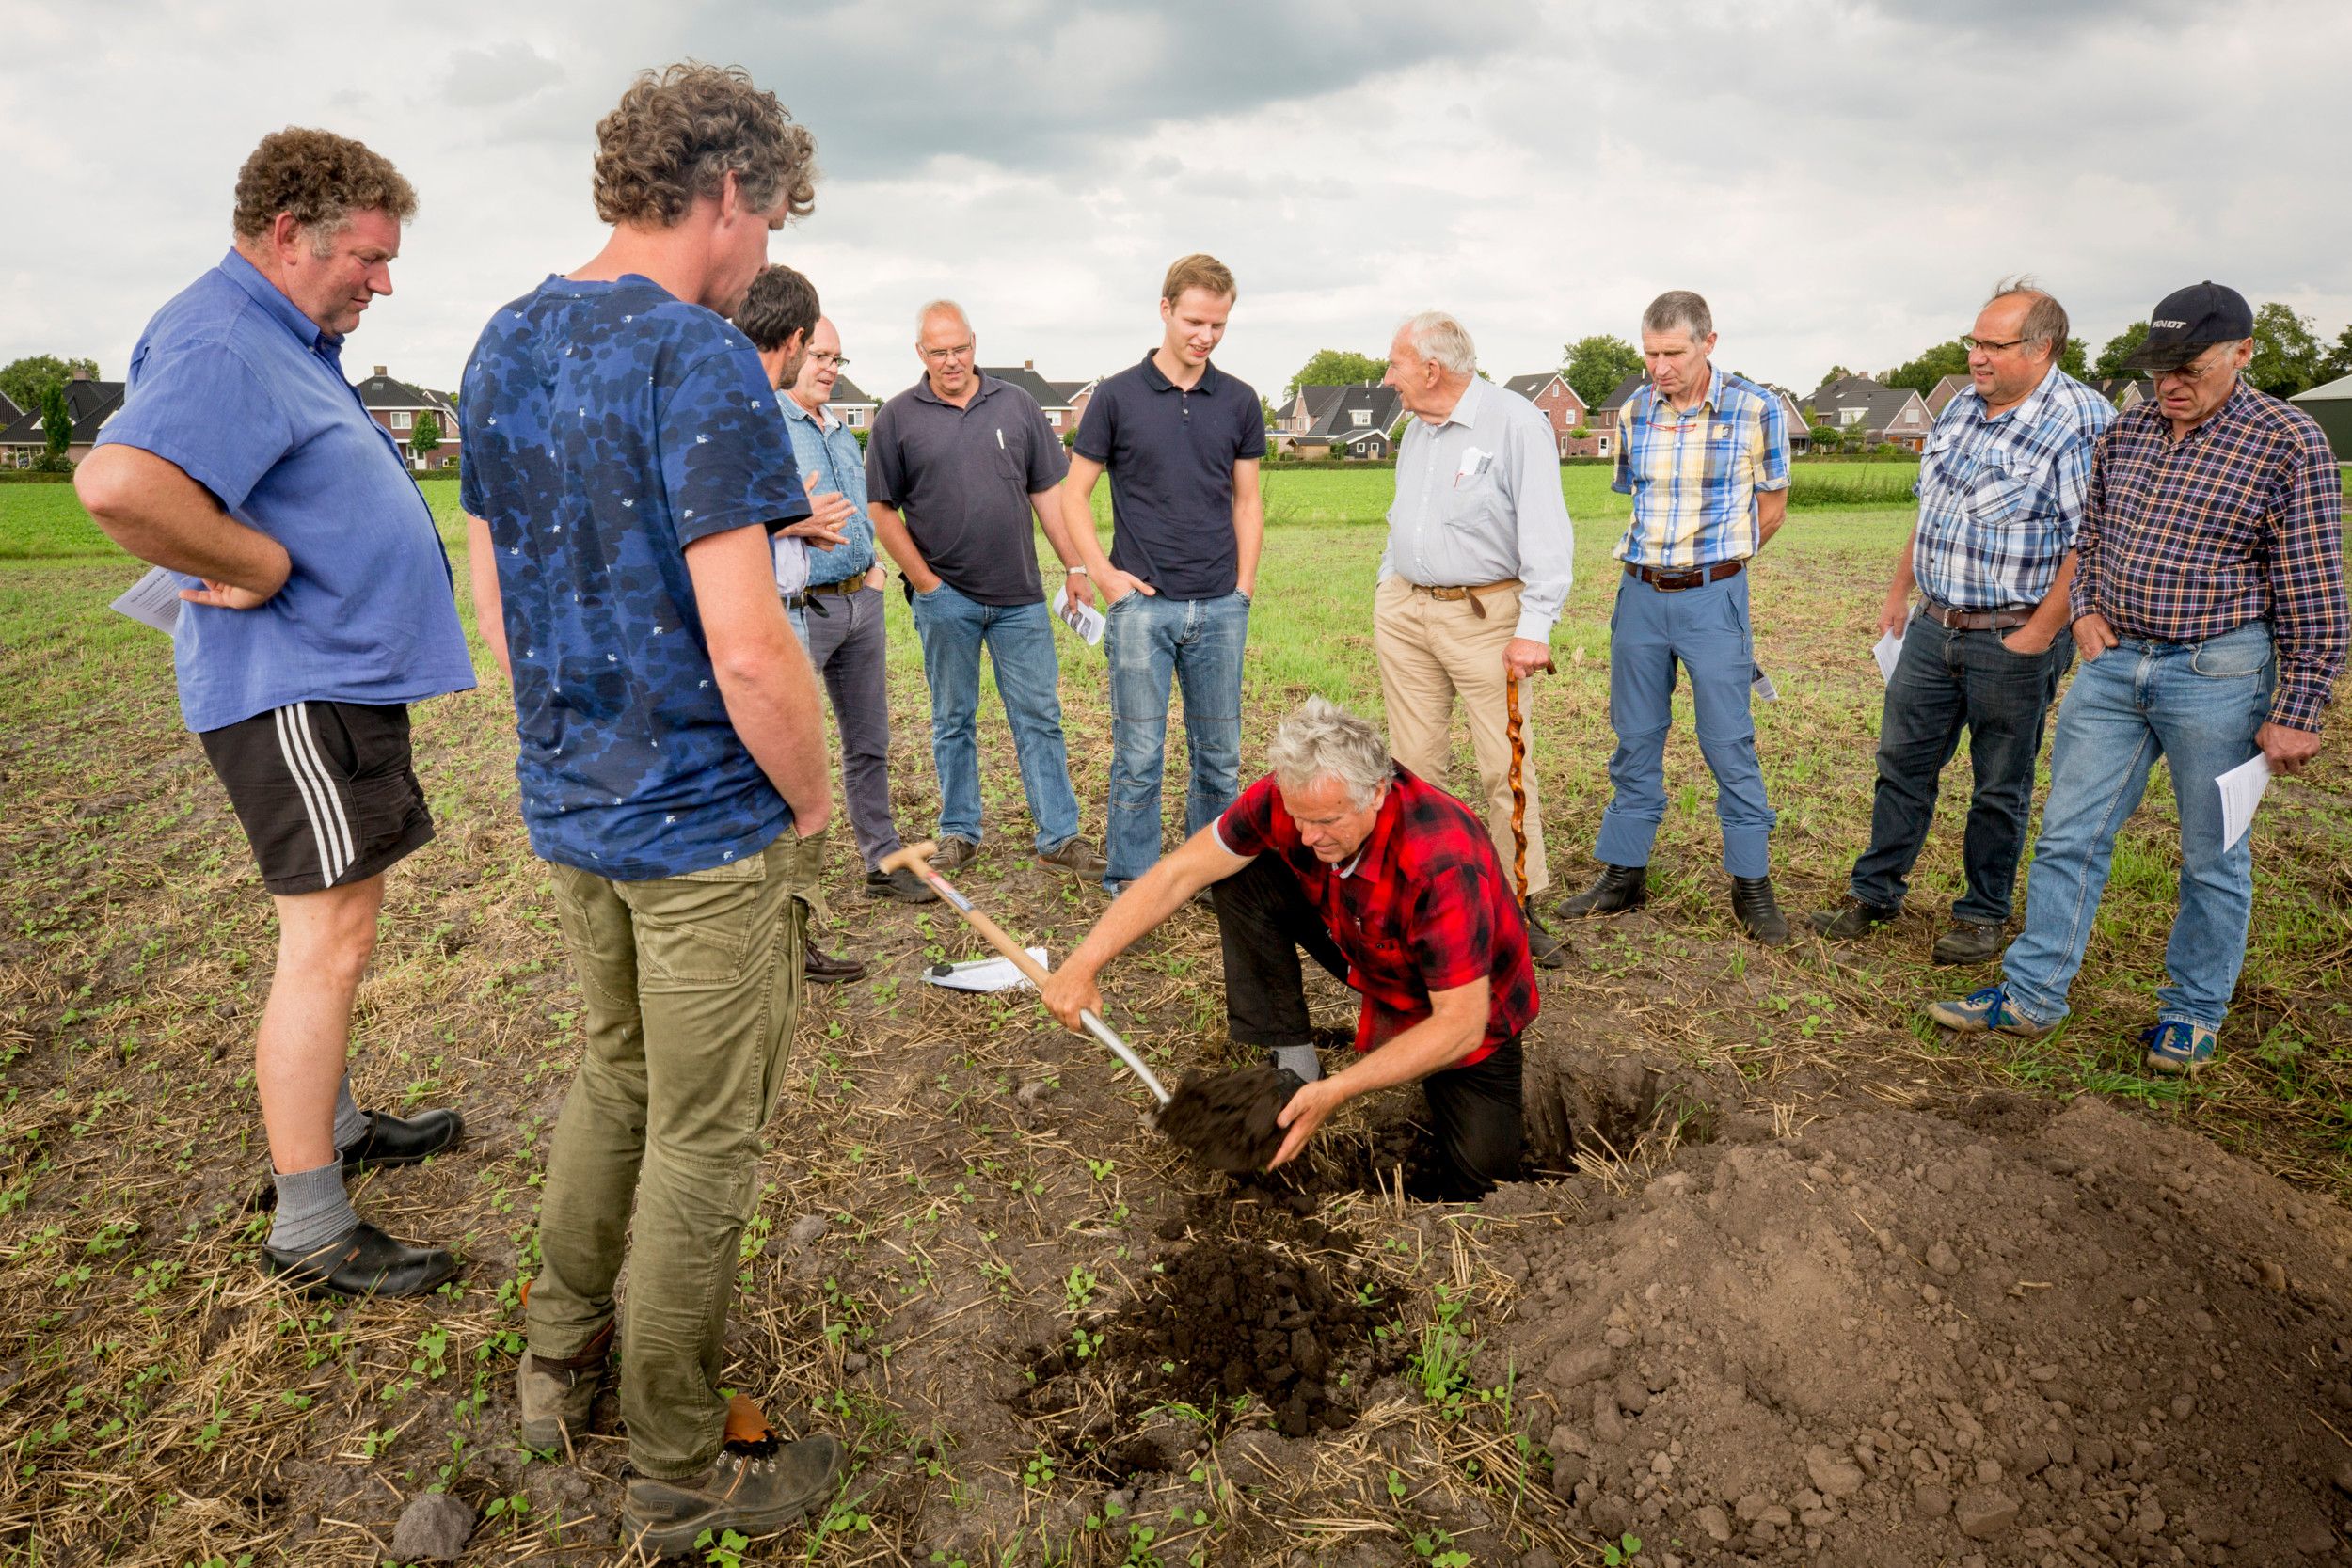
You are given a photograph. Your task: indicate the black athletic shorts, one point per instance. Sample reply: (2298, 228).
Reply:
(324, 791)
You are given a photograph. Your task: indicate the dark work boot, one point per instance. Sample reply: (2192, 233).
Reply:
(1758, 911)
(1853, 918)
(1542, 946)
(1617, 888)
(1971, 941)
(391, 1140)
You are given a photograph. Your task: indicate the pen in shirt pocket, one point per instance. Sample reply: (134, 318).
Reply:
(1000, 437)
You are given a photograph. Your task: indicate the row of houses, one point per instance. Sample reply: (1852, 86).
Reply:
(90, 403)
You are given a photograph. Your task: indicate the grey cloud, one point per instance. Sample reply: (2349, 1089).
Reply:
(498, 75)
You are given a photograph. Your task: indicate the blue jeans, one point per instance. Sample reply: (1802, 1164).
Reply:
(1198, 642)
(1949, 680)
(2196, 705)
(1705, 630)
(1019, 643)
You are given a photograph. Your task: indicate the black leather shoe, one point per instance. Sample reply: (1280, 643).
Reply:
(1758, 911)
(902, 884)
(1971, 941)
(1617, 888)
(391, 1140)
(1852, 918)
(1542, 946)
(365, 1263)
(826, 970)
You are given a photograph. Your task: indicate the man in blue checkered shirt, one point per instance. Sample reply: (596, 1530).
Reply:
(2002, 488)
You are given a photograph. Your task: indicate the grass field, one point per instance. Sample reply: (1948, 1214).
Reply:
(160, 1405)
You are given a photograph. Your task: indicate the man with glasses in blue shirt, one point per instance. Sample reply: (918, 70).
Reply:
(318, 604)
(2002, 488)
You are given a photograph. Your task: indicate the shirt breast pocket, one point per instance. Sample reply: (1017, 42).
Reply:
(2001, 496)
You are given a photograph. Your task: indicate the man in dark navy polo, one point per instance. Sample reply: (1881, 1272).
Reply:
(1181, 441)
(318, 606)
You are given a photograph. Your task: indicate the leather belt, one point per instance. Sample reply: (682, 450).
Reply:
(1973, 620)
(1470, 592)
(1676, 582)
(806, 597)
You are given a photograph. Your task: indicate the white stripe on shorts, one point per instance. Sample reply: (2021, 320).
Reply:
(318, 798)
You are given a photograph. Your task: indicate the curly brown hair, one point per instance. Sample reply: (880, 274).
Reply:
(680, 131)
(321, 179)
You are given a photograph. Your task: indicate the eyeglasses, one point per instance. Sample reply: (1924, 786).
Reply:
(2188, 375)
(941, 355)
(1989, 345)
(838, 361)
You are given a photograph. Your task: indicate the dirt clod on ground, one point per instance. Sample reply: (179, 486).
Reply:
(1226, 1119)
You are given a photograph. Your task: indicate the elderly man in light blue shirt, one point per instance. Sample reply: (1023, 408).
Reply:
(838, 615)
(1479, 560)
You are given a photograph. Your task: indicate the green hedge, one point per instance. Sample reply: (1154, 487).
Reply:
(33, 476)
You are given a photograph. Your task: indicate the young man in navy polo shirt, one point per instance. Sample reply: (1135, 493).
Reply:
(624, 472)
(1390, 883)
(1180, 440)
(318, 606)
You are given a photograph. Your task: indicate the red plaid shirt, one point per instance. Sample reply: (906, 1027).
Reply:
(1424, 906)
(2242, 520)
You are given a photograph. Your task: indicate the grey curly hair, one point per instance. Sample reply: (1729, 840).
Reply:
(1323, 740)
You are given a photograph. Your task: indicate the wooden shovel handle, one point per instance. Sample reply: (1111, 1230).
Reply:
(916, 858)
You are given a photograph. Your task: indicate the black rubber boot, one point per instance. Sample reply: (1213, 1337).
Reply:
(1617, 888)
(1542, 946)
(1758, 912)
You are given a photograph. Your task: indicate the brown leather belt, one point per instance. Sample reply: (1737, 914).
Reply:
(1973, 620)
(1674, 582)
(1451, 595)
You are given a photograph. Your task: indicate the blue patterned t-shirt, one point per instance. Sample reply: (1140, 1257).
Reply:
(608, 425)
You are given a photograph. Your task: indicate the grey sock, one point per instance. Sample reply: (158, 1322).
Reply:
(1300, 1059)
(351, 1123)
(313, 1210)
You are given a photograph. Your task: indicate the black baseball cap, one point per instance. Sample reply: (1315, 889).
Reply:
(2189, 321)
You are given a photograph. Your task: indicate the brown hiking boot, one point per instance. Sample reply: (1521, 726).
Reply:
(757, 1484)
(953, 854)
(556, 1397)
(1075, 856)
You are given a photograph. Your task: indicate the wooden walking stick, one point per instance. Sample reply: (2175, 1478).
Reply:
(1518, 781)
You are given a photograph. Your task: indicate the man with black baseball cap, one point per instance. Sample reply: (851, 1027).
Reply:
(2209, 609)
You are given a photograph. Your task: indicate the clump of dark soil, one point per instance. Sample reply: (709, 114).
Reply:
(1226, 1318)
(1226, 1119)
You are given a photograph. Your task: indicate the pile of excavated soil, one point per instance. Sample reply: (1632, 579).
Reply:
(1225, 1120)
(2009, 1336)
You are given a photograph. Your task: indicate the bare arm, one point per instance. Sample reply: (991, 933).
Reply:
(1077, 491)
(1455, 1024)
(764, 679)
(890, 529)
(1047, 504)
(156, 511)
(1771, 510)
(1896, 613)
(489, 613)
(2049, 617)
(1248, 523)
(1156, 894)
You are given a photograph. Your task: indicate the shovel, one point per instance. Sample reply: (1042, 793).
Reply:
(916, 858)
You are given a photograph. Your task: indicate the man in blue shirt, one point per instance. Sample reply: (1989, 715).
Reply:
(1181, 441)
(623, 475)
(1705, 456)
(317, 607)
(2002, 488)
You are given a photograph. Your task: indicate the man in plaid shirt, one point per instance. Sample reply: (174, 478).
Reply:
(1705, 456)
(1390, 883)
(2002, 487)
(2209, 609)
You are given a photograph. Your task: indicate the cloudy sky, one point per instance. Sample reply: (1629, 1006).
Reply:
(1842, 179)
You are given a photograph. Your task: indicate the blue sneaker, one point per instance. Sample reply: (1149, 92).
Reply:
(2178, 1047)
(1987, 1011)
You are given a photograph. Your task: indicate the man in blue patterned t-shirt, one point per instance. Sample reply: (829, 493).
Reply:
(624, 470)
(2002, 487)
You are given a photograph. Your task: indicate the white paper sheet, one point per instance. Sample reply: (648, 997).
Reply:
(984, 974)
(1083, 619)
(1762, 689)
(2241, 791)
(1888, 649)
(153, 600)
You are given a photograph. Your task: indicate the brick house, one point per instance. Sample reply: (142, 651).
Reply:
(1604, 419)
(1059, 399)
(398, 407)
(1940, 395)
(1880, 413)
(850, 404)
(89, 403)
(1550, 391)
(1360, 419)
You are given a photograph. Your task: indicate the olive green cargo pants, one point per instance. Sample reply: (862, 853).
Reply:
(692, 986)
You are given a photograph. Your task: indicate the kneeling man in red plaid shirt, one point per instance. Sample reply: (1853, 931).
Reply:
(1393, 886)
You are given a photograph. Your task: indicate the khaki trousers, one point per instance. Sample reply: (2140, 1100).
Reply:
(1431, 651)
(692, 986)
